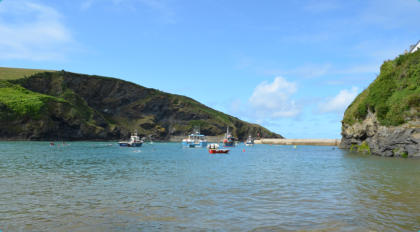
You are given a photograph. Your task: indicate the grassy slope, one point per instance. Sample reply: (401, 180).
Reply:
(394, 96)
(21, 101)
(16, 73)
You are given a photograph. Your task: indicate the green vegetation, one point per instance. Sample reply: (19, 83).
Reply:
(194, 106)
(400, 152)
(22, 101)
(16, 73)
(394, 96)
(363, 148)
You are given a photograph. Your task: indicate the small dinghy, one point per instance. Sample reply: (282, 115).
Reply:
(214, 148)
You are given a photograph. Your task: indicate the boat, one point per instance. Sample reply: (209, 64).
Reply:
(229, 140)
(134, 141)
(195, 140)
(249, 141)
(214, 148)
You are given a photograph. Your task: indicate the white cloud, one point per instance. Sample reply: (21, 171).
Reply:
(273, 99)
(165, 12)
(32, 31)
(314, 6)
(340, 102)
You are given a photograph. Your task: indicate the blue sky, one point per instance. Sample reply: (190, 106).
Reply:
(292, 66)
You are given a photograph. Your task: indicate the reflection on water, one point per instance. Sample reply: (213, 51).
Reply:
(97, 187)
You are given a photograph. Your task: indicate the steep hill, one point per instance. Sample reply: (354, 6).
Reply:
(69, 106)
(385, 118)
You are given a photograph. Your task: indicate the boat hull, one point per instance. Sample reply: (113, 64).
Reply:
(228, 142)
(194, 145)
(214, 151)
(130, 144)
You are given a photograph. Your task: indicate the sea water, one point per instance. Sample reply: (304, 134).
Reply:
(98, 186)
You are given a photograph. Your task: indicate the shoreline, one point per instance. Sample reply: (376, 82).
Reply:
(211, 139)
(312, 142)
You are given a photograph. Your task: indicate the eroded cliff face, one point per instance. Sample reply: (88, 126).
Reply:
(393, 141)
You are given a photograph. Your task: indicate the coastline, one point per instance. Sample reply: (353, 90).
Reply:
(313, 142)
(211, 139)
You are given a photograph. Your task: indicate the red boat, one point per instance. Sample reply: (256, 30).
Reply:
(213, 151)
(214, 148)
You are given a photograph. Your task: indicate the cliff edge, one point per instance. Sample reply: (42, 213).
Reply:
(384, 119)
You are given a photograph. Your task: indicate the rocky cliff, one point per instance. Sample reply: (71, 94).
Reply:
(385, 118)
(69, 106)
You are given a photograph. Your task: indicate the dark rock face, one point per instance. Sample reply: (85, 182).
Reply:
(99, 108)
(398, 141)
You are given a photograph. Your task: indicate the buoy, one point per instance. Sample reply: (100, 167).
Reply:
(243, 150)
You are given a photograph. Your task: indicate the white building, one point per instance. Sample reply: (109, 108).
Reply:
(415, 47)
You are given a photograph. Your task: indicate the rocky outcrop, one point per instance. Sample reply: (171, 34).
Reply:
(371, 137)
(385, 118)
(84, 107)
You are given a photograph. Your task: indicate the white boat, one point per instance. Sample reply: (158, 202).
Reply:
(249, 141)
(195, 140)
(134, 141)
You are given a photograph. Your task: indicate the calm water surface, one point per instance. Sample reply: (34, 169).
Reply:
(90, 186)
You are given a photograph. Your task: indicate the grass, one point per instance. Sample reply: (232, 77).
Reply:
(394, 96)
(22, 101)
(17, 73)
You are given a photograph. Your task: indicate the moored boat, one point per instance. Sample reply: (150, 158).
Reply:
(214, 148)
(249, 141)
(134, 141)
(229, 140)
(195, 140)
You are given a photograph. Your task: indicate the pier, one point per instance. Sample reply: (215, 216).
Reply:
(313, 142)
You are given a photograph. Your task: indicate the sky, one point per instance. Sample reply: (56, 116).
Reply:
(292, 66)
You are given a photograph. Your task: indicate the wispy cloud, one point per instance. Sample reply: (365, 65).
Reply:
(86, 4)
(389, 13)
(165, 13)
(320, 6)
(32, 31)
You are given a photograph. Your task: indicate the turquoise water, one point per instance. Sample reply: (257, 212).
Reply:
(89, 186)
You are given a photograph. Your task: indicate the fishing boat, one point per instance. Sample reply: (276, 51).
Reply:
(249, 141)
(195, 140)
(134, 141)
(229, 140)
(214, 148)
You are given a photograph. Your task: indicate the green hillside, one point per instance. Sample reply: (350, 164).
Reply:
(51, 105)
(394, 96)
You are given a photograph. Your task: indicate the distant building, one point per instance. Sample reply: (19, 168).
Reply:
(415, 47)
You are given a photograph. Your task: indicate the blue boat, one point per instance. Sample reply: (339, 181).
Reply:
(229, 140)
(195, 140)
(134, 141)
